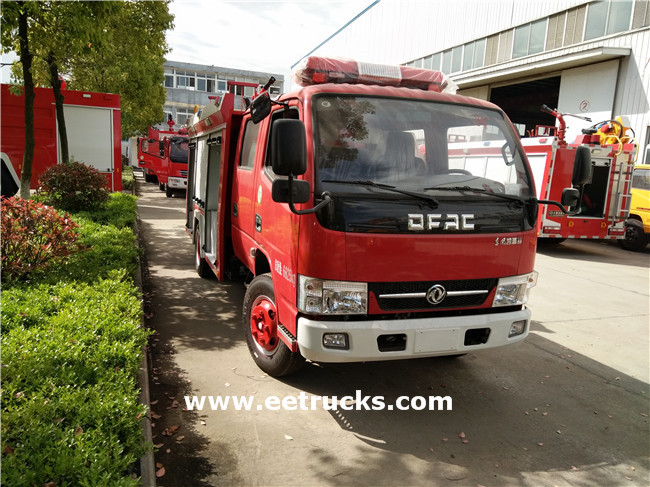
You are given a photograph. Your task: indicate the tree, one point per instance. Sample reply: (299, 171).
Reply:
(61, 32)
(115, 47)
(15, 31)
(129, 60)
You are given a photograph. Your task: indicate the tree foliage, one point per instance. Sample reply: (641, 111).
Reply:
(114, 47)
(129, 60)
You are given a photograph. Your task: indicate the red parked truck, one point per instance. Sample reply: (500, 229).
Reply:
(93, 123)
(605, 195)
(163, 158)
(365, 242)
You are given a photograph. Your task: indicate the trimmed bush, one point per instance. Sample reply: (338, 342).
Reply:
(128, 180)
(71, 348)
(73, 186)
(33, 236)
(71, 353)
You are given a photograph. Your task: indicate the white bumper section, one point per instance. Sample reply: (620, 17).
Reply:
(177, 183)
(425, 337)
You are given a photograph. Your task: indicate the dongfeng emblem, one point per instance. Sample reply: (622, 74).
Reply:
(436, 294)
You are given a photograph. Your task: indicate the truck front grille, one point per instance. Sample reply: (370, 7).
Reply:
(410, 296)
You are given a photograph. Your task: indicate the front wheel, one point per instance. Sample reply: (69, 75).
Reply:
(168, 191)
(635, 240)
(261, 330)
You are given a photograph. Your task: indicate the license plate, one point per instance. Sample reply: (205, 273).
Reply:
(436, 340)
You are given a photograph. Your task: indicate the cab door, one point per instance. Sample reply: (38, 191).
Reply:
(244, 193)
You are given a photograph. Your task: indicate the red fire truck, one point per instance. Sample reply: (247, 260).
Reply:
(364, 241)
(606, 193)
(163, 158)
(93, 123)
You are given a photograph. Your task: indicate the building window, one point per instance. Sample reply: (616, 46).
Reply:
(456, 59)
(436, 59)
(185, 80)
(205, 82)
(169, 79)
(474, 55)
(607, 17)
(446, 62)
(183, 117)
(529, 39)
(221, 85)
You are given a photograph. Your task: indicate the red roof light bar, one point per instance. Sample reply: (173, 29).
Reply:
(316, 70)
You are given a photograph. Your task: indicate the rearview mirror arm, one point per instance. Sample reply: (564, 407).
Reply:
(559, 205)
(326, 201)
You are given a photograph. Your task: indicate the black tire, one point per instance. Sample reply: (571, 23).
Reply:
(202, 268)
(148, 178)
(161, 186)
(268, 351)
(168, 191)
(635, 240)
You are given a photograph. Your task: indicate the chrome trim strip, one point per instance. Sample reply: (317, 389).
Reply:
(424, 295)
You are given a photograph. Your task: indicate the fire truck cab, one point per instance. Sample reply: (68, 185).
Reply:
(379, 216)
(163, 158)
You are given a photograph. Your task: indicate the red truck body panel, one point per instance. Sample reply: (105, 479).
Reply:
(93, 121)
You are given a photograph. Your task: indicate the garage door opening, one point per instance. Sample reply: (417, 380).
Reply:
(521, 102)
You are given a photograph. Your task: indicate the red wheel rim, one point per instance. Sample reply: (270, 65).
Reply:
(264, 324)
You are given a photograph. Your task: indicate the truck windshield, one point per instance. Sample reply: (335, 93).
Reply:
(442, 149)
(179, 147)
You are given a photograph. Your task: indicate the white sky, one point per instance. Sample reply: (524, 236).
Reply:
(262, 35)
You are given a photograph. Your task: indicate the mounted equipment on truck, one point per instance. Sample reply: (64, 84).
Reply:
(368, 235)
(604, 184)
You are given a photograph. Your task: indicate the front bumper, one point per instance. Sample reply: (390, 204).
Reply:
(424, 337)
(177, 183)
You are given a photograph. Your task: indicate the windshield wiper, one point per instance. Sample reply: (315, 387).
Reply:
(429, 199)
(469, 189)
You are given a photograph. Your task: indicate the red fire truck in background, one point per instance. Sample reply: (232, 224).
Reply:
(93, 123)
(363, 246)
(163, 158)
(606, 193)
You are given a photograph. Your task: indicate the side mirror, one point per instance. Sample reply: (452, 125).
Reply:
(288, 147)
(260, 108)
(300, 191)
(570, 197)
(161, 148)
(582, 168)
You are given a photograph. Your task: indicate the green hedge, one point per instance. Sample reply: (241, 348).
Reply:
(71, 348)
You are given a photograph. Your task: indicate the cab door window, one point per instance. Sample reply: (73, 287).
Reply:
(249, 144)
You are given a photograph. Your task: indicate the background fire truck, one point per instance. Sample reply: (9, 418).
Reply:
(361, 246)
(93, 123)
(604, 187)
(163, 158)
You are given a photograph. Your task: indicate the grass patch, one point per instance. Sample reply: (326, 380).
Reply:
(71, 348)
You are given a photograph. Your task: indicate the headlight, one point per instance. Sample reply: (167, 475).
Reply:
(512, 291)
(316, 296)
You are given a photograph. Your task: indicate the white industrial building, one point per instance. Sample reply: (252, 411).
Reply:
(588, 58)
